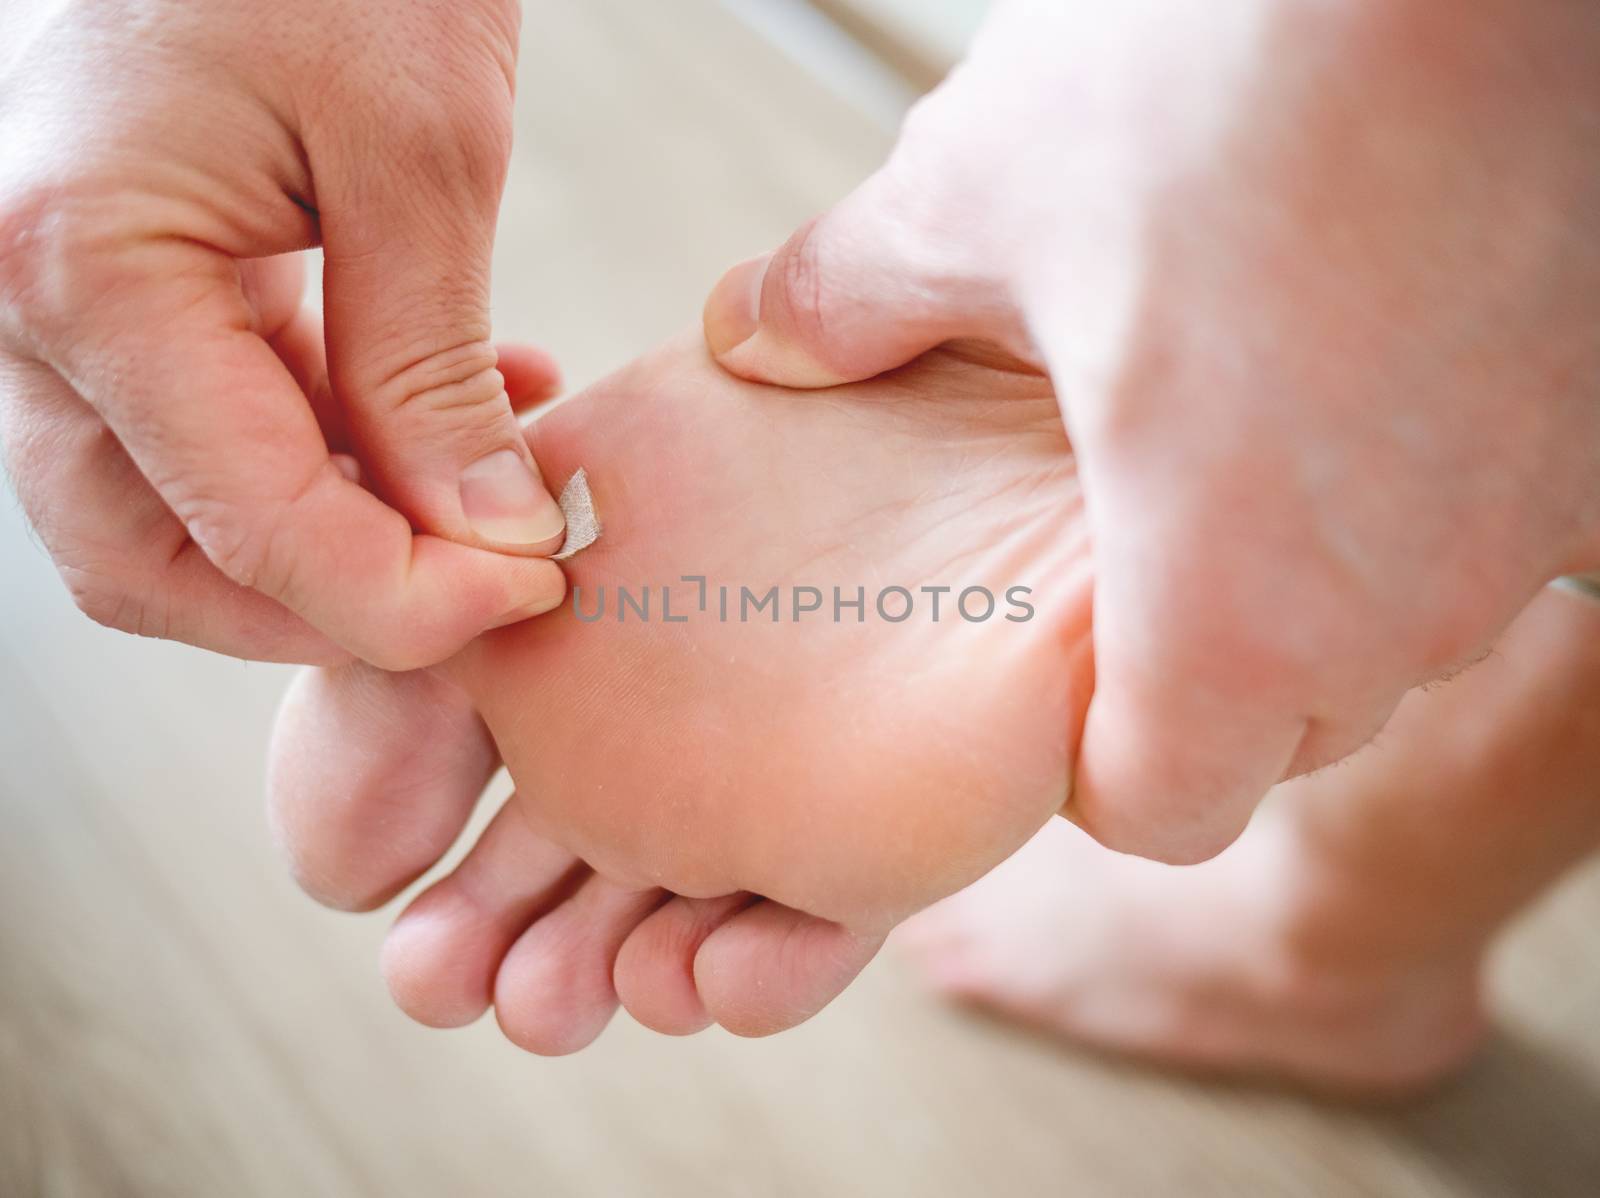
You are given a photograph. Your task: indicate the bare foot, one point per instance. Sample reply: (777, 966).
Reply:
(1215, 967)
(721, 817)
(1340, 942)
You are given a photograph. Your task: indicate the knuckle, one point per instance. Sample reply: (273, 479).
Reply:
(461, 383)
(58, 260)
(239, 546)
(461, 143)
(806, 299)
(392, 640)
(482, 129)
(444, 134)
(104, 599)
(27, 231)
(893, 252)
(244, 536)
(476, 127)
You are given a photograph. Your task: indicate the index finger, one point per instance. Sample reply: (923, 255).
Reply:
(170, 358)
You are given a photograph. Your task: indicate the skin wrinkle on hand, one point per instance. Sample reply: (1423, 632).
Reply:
(583, 522)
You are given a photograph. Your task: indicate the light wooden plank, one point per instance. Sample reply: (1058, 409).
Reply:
(922, 39)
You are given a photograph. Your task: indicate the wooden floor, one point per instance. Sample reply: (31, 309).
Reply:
(176, 1020)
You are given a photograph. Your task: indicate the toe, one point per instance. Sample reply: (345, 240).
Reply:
(943, 944)
(997, 927)
(372, 777)
(442, 955)
(769, 967)
(553, 994)
(654, 975)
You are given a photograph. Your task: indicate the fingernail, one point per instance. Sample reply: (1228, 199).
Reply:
(504, 501)
(537, 608)
(733, 310)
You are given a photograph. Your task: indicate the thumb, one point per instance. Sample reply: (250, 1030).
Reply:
(408, 232)
(865, 288)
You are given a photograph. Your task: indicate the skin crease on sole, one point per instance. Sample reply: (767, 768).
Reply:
(720, 821)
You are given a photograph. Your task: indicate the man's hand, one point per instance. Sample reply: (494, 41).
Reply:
(173, 423)
(1319, 287)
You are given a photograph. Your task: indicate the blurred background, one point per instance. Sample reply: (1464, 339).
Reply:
(176, 1019)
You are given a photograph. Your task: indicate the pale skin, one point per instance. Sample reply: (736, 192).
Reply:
(180, 430)
(1336, 945)
(840, 770)
(1317, 282)
(1341, 943)
(1316, 285)
(1344, 245)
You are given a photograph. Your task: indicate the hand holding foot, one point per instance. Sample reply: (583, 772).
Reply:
(1320, 310)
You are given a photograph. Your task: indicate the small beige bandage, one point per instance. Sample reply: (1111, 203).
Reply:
(583, 522)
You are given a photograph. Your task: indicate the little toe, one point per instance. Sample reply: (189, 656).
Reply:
(770, 968)
(945, 944)
(654, 974)
(553, 994)
(442, 955)
(372, 777)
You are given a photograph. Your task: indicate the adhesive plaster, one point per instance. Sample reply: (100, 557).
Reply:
(583, 522)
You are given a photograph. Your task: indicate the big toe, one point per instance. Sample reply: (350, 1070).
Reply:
(372, 778)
